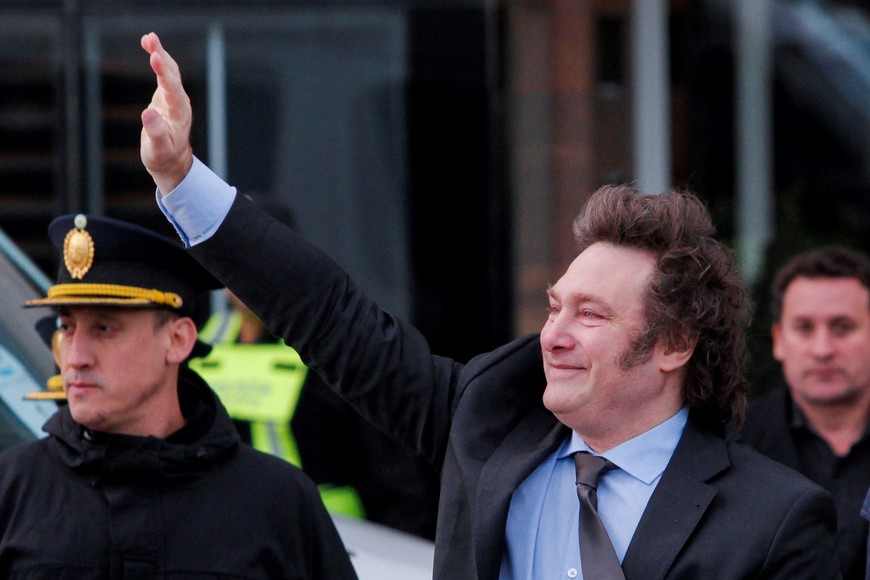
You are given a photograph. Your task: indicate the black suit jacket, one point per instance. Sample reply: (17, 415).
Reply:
(720, 510)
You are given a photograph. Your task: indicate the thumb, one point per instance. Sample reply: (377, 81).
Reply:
(167, 164)
(154, 125)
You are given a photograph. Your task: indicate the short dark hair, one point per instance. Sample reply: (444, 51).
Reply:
(695, 297)
(826, 262)
(163, 316)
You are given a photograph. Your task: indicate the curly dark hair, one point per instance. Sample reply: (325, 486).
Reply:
(695, 297)
(827, 262)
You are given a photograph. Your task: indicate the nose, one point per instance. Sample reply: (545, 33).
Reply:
(822, 344)
(555, 335)
(75, 351)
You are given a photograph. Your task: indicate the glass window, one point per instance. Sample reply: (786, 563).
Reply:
(306, 106)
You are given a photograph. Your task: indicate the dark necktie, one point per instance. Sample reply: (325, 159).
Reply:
(597, 556)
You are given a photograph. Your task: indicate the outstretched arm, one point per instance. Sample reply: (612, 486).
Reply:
(165, 140)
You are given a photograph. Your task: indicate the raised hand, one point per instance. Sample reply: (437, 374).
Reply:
(165, 140)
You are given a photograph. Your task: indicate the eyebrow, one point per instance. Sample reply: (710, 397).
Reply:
(582, 298)
(824, 319)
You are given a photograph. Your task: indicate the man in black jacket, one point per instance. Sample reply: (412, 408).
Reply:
(816, 420)
(142, 474)
(640, 362)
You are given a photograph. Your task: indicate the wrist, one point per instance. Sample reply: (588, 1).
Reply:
(167, 181)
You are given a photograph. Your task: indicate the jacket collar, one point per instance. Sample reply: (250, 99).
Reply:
(208, 436)
(679, 502)
(681, 497)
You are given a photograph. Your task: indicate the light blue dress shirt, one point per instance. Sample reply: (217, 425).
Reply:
(198, 206)
(543, 520)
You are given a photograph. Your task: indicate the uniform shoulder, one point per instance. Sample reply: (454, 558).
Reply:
(17, 452)
(269, 468)
(23, 463)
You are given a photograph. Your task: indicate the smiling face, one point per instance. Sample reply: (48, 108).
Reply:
(823, 341)
(596, 310)
(120, 368)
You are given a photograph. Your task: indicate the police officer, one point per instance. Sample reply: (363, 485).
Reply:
(142, 474)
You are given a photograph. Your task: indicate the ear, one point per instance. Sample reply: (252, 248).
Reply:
(776, 334)
(672, 360)
(182, 336)
(677, 356)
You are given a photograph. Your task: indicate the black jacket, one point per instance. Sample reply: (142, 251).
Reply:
(772, 427)
(79, 504)
(721, 510)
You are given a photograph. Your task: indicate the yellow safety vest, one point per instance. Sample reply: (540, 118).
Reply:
(261, 383)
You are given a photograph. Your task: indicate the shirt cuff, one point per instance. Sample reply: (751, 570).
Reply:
(198, 206)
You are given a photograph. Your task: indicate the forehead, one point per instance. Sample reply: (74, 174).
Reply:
(609, 273)
(105, 312)
(825, 297)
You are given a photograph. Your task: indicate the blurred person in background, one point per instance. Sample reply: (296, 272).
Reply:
(816, 419)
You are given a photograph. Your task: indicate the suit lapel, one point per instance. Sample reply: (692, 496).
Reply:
(537, 435)
(677, 505)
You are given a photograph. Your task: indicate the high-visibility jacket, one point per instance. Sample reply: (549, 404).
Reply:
(260, 383)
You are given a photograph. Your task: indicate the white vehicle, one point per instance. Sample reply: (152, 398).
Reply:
(377, 552)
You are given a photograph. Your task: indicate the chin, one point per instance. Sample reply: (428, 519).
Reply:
(831, 399)
(84, 416)
(560, 400)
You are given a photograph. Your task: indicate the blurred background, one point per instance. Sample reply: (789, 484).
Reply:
(440, 149)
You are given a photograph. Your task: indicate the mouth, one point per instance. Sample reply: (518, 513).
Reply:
(80, 385)
(826, 373)
(563, 367)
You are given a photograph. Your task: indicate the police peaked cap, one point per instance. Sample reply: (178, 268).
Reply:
(108, 262)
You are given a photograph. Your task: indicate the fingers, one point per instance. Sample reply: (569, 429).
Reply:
(149, 42)
(165, 139)
(167, 72)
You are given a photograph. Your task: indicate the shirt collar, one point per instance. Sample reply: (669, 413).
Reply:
(797, 420)
(644, 457)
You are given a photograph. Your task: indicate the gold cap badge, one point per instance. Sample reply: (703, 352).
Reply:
(78, 249)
